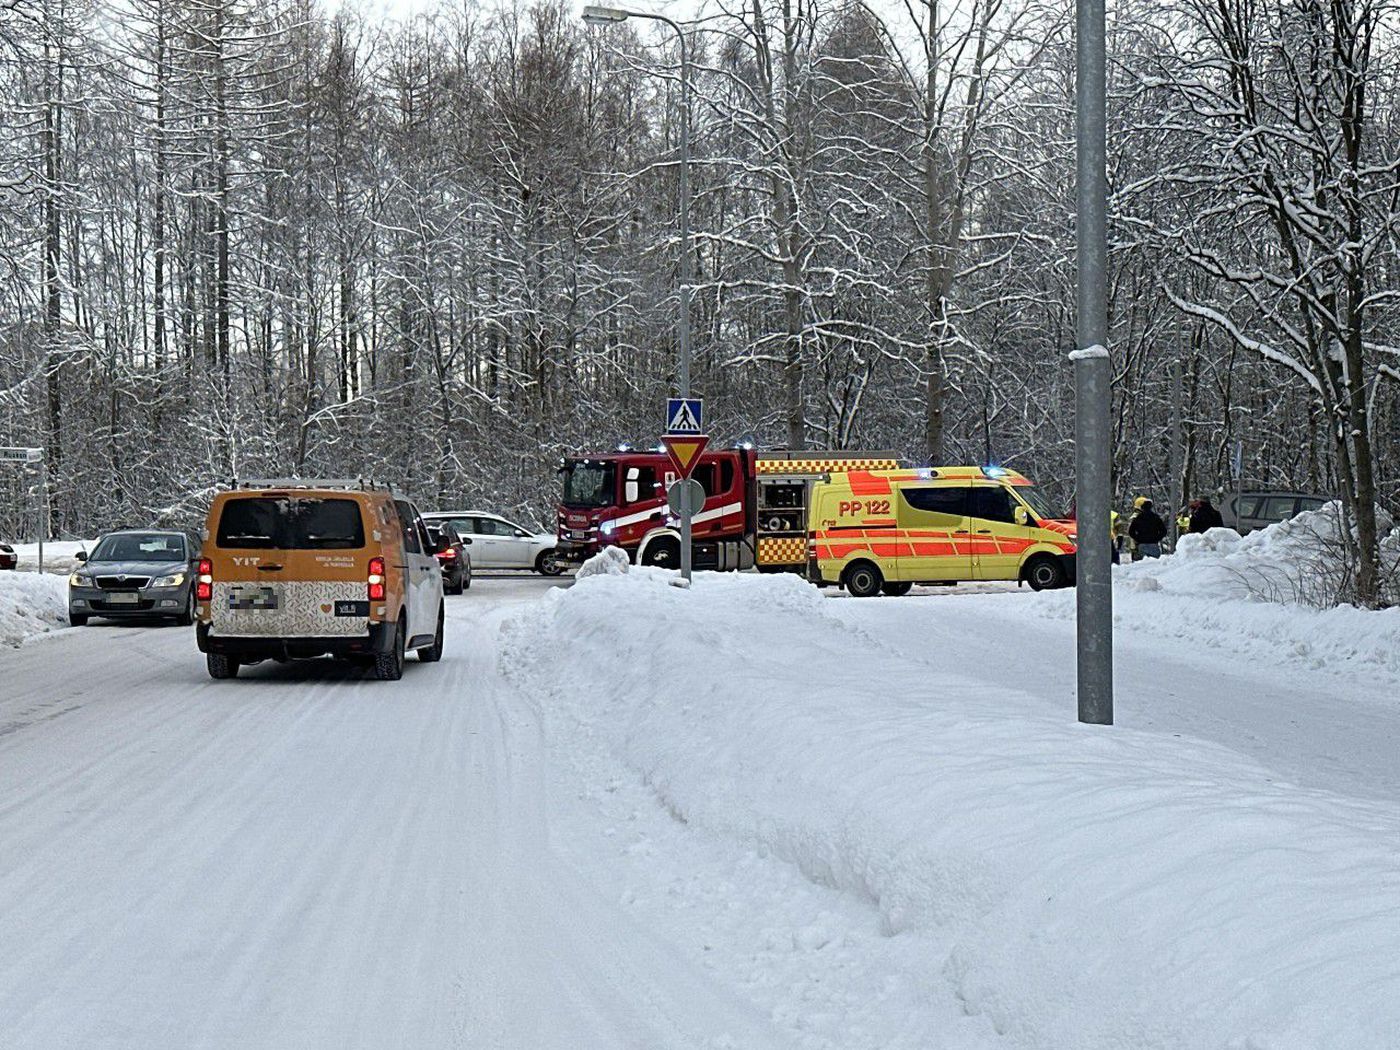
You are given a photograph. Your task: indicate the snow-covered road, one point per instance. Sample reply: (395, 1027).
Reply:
(303, 859)
(732, 818)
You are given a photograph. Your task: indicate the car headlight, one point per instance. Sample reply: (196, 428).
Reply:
(173, 580)
(79, 580)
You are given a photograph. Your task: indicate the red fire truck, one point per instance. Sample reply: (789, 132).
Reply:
(755, 510)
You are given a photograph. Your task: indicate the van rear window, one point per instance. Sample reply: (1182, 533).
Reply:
(291, 523)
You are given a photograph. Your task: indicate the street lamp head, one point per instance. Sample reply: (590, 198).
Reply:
(602, 16)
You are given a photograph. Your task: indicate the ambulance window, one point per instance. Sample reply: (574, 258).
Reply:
(952, 501)
(991, 504)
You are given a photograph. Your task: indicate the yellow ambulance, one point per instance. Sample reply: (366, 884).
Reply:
(882, 531)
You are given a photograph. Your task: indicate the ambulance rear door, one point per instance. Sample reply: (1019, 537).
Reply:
(935, 541)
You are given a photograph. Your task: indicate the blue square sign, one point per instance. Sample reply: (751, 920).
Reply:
(685, 415)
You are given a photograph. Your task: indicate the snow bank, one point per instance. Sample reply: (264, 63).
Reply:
(1102, 889)
(1253, 596)
(31, 604)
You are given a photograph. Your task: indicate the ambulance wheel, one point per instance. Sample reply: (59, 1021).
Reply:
(862, 580)
(663, 553)
(1043, 573)
(897, 590)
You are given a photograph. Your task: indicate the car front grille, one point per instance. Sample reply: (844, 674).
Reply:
(122, 583)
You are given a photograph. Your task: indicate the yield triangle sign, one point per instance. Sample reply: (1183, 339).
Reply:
(684, 450)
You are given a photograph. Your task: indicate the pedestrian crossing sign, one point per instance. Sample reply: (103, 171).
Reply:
(684, 415)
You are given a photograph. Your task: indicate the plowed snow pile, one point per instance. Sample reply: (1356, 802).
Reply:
(1266, 595)
(1100, 888)
(31, 604)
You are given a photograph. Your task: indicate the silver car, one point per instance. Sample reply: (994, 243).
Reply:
(134, 574)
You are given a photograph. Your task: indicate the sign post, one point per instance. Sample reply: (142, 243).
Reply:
(27, 456)
(685, 439)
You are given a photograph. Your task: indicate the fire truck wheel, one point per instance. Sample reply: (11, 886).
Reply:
(862, 579)
(1043, 573)
(897, 590)
(663, 553)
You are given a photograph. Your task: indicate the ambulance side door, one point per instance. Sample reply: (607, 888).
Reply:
(997, 541)
(935, 542)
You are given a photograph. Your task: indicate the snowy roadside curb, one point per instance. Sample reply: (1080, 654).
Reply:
(1102, 888)
(31, 604)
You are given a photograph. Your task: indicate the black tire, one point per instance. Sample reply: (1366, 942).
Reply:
(663, 553)
(221, 665)
(896, 590)
(458, 586)
(77, 619)
(433, 653)
(467, 577)
(548, 564)
(862, 579)
(388, 667)
(187, 617)
(1043, 573)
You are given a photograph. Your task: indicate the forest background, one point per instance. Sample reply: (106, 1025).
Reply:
(270, 237)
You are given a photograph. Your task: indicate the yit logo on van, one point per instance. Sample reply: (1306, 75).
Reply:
(246, 561)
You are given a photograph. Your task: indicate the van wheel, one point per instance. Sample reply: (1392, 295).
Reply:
(548, 564)
(221, 665)
(388, 667)
(433, 653)
(862, 580)
(1043, 573)
(896, 590)
(77, 619)
(664, 554)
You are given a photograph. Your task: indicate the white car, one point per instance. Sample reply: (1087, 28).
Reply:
(500, 544)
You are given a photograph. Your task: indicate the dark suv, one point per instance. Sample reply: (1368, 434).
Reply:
(1262, 508)
(134, 574)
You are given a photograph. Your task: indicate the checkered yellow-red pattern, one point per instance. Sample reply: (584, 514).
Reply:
(782, 551)
(834, 465)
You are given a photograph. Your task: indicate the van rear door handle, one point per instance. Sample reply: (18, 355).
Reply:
(269, 568)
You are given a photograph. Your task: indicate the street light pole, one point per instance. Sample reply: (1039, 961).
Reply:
(595, 15)
(1092, 377)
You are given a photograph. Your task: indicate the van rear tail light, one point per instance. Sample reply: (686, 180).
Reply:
(376, 579)
(204, 586)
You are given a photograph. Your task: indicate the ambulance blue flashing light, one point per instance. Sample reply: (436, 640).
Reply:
(993, 471)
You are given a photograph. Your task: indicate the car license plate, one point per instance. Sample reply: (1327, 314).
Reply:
(122, 598)
(253, 598)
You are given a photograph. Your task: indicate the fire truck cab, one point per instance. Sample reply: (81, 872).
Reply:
(755, 512)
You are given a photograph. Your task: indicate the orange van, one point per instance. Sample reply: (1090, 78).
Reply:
(293, 569)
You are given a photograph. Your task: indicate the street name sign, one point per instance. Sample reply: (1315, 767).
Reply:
(21, 455)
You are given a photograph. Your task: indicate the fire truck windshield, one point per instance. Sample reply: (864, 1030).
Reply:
(588, 483)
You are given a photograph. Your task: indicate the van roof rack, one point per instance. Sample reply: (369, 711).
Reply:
(312, 483)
